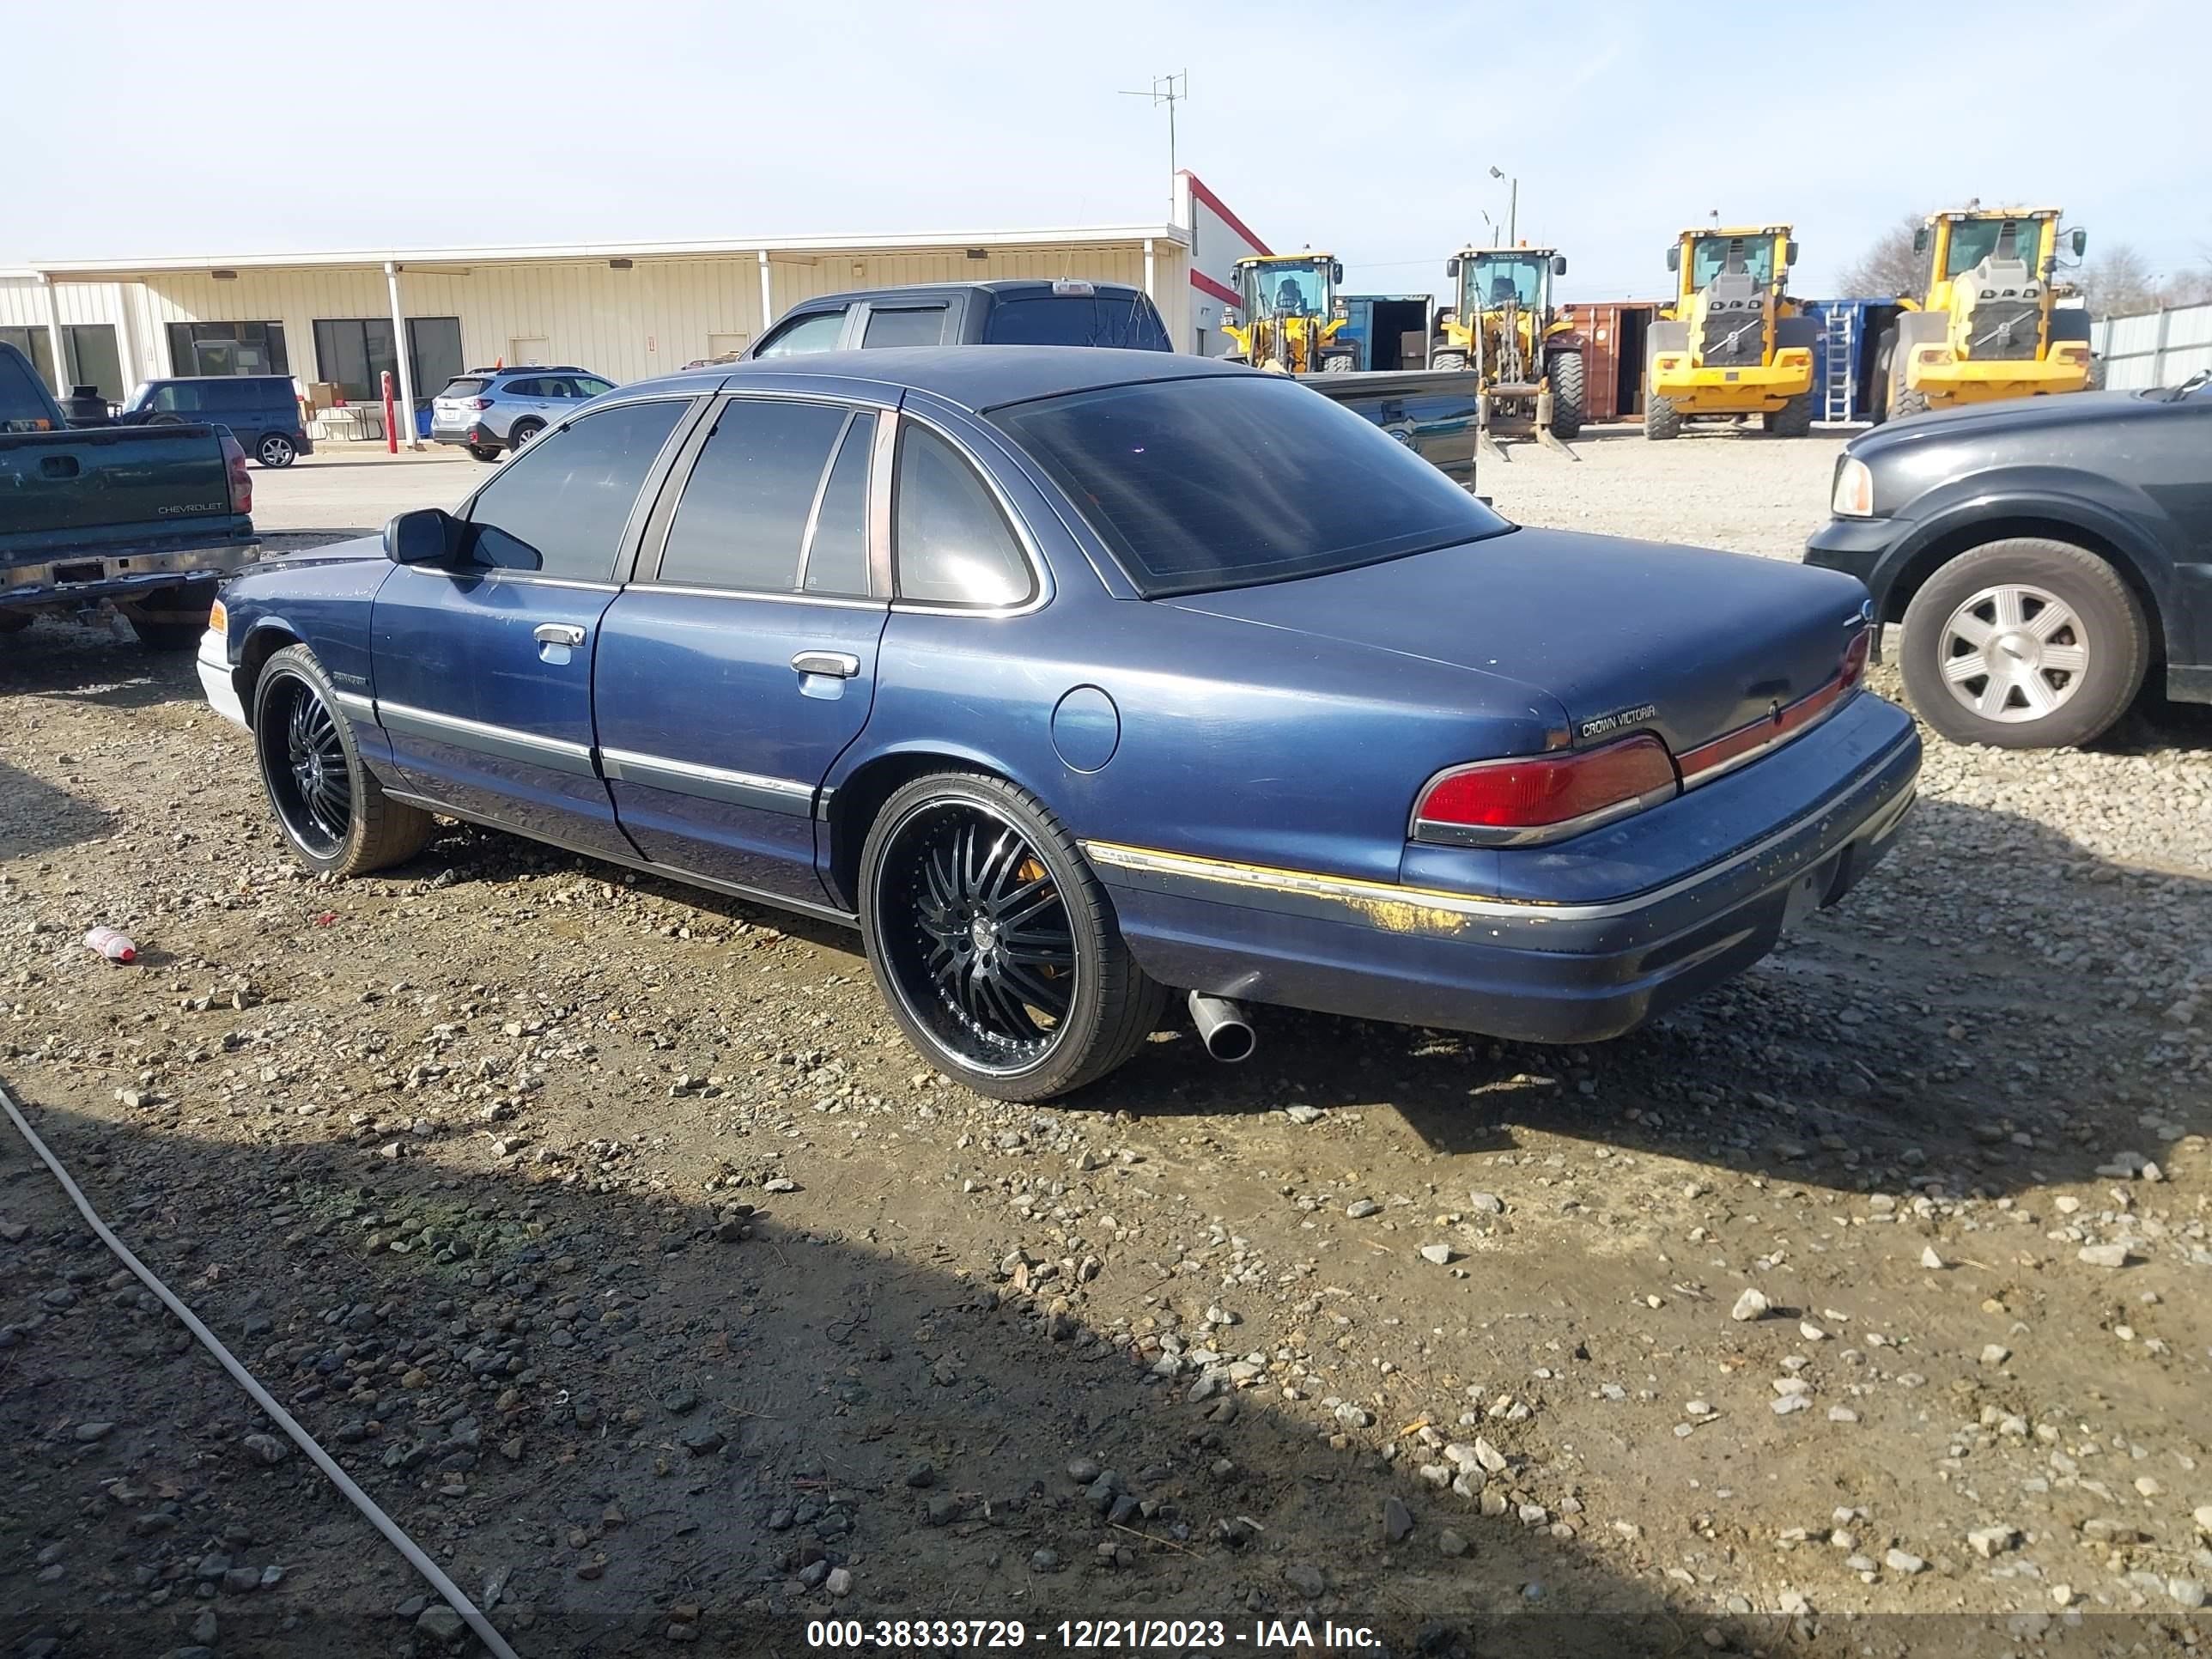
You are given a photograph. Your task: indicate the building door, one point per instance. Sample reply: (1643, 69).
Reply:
(526, 351)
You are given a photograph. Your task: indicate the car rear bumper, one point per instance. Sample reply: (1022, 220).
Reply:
(1529, 971)
(475, 437)
(216, 681)
(121, 574)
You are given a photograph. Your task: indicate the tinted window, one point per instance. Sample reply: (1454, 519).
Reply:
(590, 385)
(952, 545)
(558, 508)
(837, 558)
(1104, 319)
(524, 388)
(1222, 481)
(24, 406)
(745, 507)
(178, 398)
(819, 333)
(235, 397)
(922, 326)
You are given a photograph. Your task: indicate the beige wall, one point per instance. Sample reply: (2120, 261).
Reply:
(628, 325)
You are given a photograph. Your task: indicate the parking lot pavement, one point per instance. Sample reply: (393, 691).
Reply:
(354, 491)
(609, 1234)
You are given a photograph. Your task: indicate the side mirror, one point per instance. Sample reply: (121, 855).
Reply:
(1920, 239)
(2081, 242)
(1336, 271)
(424, 535)
(1675, 258)
(1451, 269)
(1790, 251)
(1558, 264)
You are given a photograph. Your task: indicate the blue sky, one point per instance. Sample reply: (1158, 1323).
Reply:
(1368, 131)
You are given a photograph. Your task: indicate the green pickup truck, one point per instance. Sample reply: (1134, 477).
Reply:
(146, 519)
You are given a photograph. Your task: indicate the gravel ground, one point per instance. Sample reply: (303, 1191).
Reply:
(610, 1234)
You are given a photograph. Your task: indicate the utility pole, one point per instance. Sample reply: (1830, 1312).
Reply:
(1512, 207)
(1169, 90)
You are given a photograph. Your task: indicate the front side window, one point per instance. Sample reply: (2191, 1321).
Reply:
(819, 333)
(742, 520)
(914, 326)
(1209, 482)
(950, 544)
(558, 508)
(178, 398)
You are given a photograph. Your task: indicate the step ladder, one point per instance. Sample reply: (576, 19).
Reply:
(1839, 358)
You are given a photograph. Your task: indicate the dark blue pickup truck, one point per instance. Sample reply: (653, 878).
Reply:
(144, 519)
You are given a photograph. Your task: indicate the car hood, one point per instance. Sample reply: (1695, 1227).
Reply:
(2070, 411)
(1624, 634)
(350, 551)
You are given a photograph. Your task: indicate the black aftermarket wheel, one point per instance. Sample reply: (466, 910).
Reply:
(993, 944)
(332, 811)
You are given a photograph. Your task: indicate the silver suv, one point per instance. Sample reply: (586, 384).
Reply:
(488, 410)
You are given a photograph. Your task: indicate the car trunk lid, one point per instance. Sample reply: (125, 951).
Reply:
(1626, 636)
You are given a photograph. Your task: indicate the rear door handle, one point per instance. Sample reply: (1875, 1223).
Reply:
(559, 634)
(836, 665)
(57, 467)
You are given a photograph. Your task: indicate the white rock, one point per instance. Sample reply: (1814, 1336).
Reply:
(2104, 1255)
(1811, 1332)
(2203, 1518)
(1842, 1415)
(2067, 1203)
(1441, 1254)
(1995, 1353)
(1751, 1305)
(2188, 1592)
(1904, 1561)
(1990, 1541)
(1929, 1260)
(1788, 1403)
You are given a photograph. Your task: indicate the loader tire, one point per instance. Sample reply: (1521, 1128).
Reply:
(1904, 404)
(1567, 399)
(1794, 419)
(1339, 363)
(1884, 353)
(1661, 418)
(1448, 358)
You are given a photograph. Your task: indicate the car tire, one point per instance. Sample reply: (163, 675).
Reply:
(163, 636)
(484, 453)
(334, 814)
(276, 450)
(976, 904)
(1567, 399)
(523, 431)
(2048, 596)
(1451, 359)
(1661, 420)
(15, 622)
(1794, 419)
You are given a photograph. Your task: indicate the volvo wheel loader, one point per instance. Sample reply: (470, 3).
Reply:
(1733, 342)
(1505, 326)
(1288, 318)
(1985, 323)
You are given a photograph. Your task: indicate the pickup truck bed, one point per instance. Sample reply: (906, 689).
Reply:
(146, 519)
(1429, 411)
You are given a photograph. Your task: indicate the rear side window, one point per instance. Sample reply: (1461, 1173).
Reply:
(1101, 319)
(558, 508)
(918, 325)
(742, 518)
(233, 397)
(837, 558)
(590, 385)
(819, 333)
(525, 388)
(178, 398)
(952, 544)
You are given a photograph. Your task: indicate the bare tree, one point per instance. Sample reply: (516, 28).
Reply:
(1890, 266)
(2119, 282)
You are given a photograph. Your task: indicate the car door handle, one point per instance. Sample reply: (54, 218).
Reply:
(836, 665)
(57, 467)
(559, 634)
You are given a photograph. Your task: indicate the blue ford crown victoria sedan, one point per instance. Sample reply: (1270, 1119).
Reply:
(1070, 676)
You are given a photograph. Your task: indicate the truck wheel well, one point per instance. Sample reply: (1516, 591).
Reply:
(852, 810)
(261, 644)
(1939, 552)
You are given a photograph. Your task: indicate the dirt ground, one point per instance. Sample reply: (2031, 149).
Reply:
(611, 1237)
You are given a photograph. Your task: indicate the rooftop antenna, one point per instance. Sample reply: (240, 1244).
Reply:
(1169, 90)
(1714, 213)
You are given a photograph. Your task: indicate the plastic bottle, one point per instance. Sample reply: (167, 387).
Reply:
(114, 945)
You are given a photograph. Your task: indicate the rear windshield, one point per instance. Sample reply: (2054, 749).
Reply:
(463, 388)
(1097, 319)
(1230, 480)
(23, 404)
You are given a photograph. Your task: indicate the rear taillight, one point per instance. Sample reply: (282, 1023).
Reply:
(1537, 798)
(475, 403)
(1855, 658)
(241, 481)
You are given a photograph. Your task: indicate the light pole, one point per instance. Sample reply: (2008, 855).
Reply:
(1512, 205)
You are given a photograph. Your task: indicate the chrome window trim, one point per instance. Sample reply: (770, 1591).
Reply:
(841, 601)
(814, 506)
(556, 753)
(753, 789)
(1362, 897)
(494, 572)
(1040, 572)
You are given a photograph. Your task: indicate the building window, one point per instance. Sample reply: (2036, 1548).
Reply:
(354, 353)
(93, 359)
(32, 343)
(227, 349)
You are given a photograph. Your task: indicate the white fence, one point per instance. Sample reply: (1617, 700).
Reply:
(2161, 348)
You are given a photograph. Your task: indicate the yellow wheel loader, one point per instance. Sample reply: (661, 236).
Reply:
(1984, 324)
(1288, 318)
(1505, 325)
(1733, 342)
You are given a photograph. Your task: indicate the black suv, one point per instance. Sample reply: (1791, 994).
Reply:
(1020, 312)
(2044, 555)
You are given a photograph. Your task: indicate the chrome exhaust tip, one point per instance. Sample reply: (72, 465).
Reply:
(1221, 1027)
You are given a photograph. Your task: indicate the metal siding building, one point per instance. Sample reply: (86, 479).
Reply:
(625, 310)
(2159, 348)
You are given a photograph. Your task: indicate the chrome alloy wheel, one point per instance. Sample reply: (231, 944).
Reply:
(2013, 652)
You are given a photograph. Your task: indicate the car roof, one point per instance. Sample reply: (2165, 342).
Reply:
(973, 377)
(998, 285)
(201, 379)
